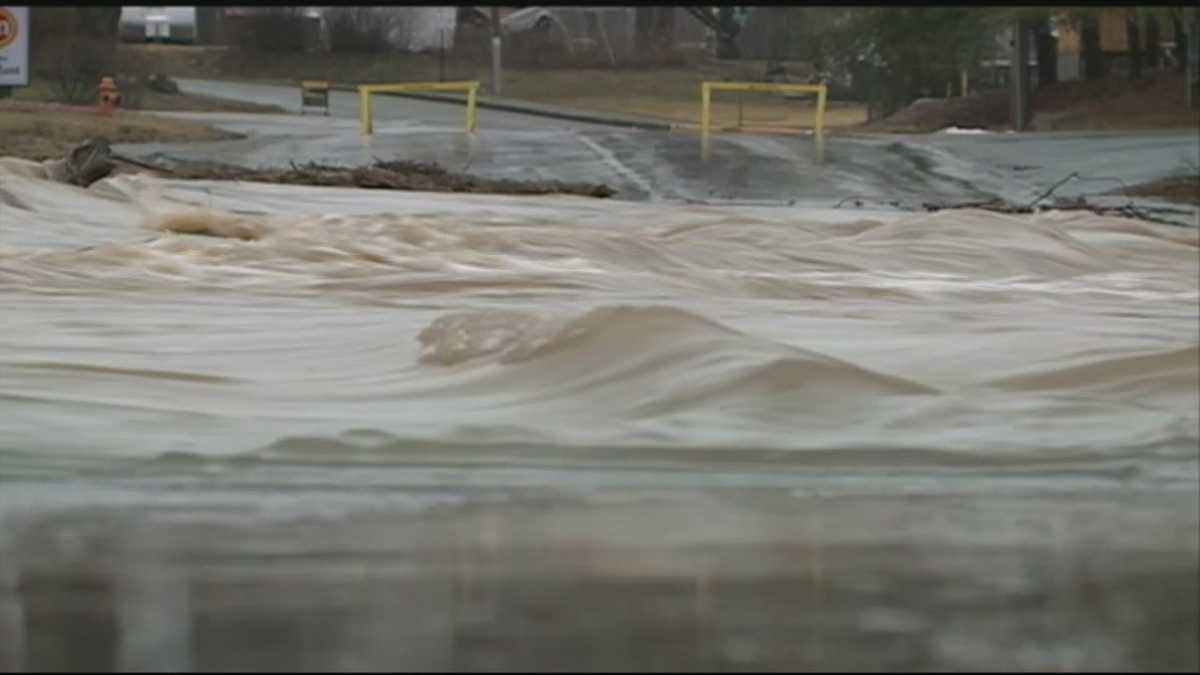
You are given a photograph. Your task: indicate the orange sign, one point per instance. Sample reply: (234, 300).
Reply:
(8, 28)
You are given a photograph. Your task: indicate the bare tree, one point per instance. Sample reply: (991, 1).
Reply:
(368, 30)
(74, 47)
(724, 22)
(273, 29)
(1133, 39)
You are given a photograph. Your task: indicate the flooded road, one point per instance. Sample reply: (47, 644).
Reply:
(266, 426)
(907, 170)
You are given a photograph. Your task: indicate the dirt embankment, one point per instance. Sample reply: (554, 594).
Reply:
(1157, 102)
(161, 94)
(1181, 189)
(390, 175)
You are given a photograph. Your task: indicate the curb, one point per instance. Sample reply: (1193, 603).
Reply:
(541, 112)
(769, 131)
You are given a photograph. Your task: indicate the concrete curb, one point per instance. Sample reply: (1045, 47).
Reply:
(568, 115)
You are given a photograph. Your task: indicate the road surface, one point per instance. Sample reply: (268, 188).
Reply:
(656, 165)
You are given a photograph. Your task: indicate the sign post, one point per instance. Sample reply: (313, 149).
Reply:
(14, 47)
(1192, 80)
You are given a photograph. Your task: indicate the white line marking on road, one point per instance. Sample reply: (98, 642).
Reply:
(606, 155)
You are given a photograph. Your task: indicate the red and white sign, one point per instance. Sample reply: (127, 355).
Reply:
(14, 46)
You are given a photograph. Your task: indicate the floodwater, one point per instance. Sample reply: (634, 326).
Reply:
(261, 426)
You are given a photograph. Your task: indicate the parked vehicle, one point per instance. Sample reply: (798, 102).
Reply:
(158, 24)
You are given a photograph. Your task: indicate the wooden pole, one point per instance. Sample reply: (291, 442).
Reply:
(496, 86)
(1019, 78)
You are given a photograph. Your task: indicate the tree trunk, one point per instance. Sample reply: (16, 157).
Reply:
(643, 32)
(1093, 57)
(1134, 44)
(100, 22)
(1046, 46)
(783, 23)
(1181, 45)
(727, 32)
(664, 29)
(1153, 42)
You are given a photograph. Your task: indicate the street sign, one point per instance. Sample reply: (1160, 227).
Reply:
(14, 46)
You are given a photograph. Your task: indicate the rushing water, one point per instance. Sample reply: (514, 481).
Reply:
(291, 351)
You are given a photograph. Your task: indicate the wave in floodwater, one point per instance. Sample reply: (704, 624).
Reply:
(281, 323)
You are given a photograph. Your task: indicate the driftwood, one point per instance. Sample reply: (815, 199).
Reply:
(94, 159)
(1148, 212)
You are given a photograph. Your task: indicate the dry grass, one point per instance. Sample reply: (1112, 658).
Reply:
(1115, 104)
(41, 131)
(153, 100)
(1157, 103)
(1182, 189)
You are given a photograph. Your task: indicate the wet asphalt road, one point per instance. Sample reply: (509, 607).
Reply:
(657, 165)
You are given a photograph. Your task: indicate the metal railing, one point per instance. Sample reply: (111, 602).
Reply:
(367, 90)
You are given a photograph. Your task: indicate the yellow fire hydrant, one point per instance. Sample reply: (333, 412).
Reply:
(109, 96)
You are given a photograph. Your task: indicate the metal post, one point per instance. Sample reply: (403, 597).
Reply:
(364, 110)
(442, 55)
(1192, 81)
(1019, 77)
(472, 115)
(820, 121)
(496, 87)
(705, 99)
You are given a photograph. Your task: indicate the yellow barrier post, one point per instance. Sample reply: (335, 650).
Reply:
(472, 119)
(364, 110)
(365, 92)
(705, 99)
(820, 121)
(706, 89)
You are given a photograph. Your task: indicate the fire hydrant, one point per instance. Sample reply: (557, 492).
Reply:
(109, 97)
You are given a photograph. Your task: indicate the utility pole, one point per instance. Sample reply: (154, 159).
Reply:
(1192, 72)
(496, 51)
(1019, 77)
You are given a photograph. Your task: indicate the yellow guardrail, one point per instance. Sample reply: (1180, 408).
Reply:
(707, 88)
(367, 90)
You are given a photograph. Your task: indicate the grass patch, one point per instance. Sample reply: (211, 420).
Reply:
(671, 94)
(1157, 102)
(42, 131)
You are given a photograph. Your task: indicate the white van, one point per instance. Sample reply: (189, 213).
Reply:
(158, 24)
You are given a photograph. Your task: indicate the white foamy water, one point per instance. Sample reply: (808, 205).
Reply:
(146, 321)
(262, 427)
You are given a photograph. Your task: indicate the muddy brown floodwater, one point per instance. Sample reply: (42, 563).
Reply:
(272, 426)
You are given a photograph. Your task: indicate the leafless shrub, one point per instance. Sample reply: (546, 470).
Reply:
(74, 67)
